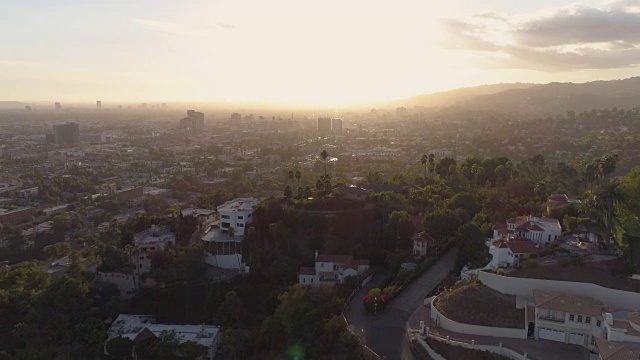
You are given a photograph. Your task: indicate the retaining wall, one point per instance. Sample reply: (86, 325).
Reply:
(461, 328)
(524, 287)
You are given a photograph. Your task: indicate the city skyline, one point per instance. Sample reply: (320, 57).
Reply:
(306, 54)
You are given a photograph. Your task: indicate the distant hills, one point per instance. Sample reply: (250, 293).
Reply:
(12, 105)
(539, 99)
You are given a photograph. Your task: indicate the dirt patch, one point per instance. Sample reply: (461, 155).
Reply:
(456, 352)
(477, 304)
(603, 273)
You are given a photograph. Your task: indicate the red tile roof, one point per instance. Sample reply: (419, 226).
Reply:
(334, 258)
(423, 237)
(304, 270)
(522, 247)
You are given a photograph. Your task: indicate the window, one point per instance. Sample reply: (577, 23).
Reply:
(140, 266)
(321, 264)
(587, 320)
(593, 340)
(224, 216)
(249, 215)
(549, 239)
(304, 280)
(312, 280)
(598, 323)
(572, 317)
(240, 217)
(579, 318)
(239, 225)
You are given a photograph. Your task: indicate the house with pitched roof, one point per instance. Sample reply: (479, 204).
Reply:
(331, 270)
(507, 253)
(569, 318)
(540, 230)
(609, 350)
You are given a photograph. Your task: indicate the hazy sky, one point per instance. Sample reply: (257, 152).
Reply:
(303, 51)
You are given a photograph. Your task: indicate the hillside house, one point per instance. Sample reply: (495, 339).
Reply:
(540, 230)
(331, 270)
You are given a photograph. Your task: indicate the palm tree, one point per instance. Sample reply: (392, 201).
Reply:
(290, 176)
(607, 165)
(324, 155)
(608, 198)
(432, 164)
(590, 173)
(424, 160)
(298, 175)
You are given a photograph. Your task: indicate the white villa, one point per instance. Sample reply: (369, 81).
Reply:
(331, 270)
(510, 253)
(138, 328)
(540, 230)
(237, 214)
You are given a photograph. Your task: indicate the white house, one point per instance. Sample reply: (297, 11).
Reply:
(540, 230)
(510, 253)
(331, 270)
(568, 318)
(141, 327)
(237, 214)
(148, 242)
(421, 243)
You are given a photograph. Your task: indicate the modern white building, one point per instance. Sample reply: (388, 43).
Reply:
(141, 327)
(540, 230)
(237, 214)
(148, 242)
(331, 270)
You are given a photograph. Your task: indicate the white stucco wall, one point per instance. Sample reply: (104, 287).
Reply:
(462, 328)
(524, 287)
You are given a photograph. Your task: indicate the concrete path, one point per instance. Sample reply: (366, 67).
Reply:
(386, 333)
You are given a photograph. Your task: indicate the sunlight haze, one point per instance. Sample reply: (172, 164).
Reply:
(299, 52)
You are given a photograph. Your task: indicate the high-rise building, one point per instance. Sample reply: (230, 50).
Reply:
(236, 116)
(193, 123)
(67, 134)
(27, 108)
(324, 126)
(57, 105)
(336, 126)
(98, 104)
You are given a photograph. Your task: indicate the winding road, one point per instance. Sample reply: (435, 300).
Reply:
(386, 333)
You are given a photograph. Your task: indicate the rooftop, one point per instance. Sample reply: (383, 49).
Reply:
(239, 204)
(616, 351)
(576, 304)
(155, 234)
(130, 326)
(197, 212)
(214, 234)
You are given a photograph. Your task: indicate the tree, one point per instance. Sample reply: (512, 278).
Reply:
(298, 175)
(432, 164)
(466, 201)
(471, 247)
(398, 231)
(290, 176)
(607, 165)
(444, 167)
(590, 173)
(324, 155)
(608, 199)
(441, 224)
(120, 348)
(424, 160)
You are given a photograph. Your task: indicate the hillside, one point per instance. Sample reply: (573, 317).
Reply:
(12, 105)
(548, 99)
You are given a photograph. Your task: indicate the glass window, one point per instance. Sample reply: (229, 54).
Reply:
(587, 320)
(240, 217)
(224, 216)
(572, 317)
(579, 318)
(598, 323)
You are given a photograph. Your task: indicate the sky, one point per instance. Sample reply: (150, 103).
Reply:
(302, 51)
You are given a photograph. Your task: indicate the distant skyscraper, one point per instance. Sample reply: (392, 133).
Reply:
(57, 105)
(236, 116)
(28, 108)
(324, 126)
(194, 122)
(68, 134)
(98, 104)
(336, 126)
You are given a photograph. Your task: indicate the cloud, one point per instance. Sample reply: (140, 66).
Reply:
(569, 38)
(177, 29)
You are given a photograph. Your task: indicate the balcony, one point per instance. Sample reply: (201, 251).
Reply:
(551, 318)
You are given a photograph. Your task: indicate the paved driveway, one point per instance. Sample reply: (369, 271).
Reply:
(386, 333)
